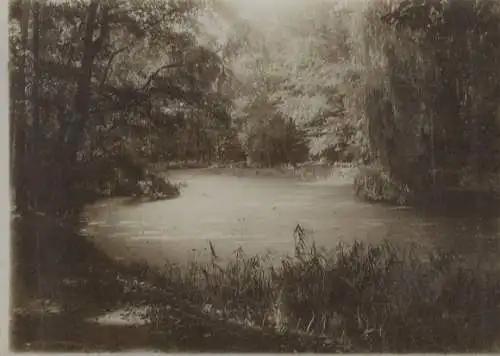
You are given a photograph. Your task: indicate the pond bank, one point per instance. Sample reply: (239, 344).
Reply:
(306, 171)
(65, 314)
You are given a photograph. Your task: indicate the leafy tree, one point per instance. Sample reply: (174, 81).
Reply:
(302, 70)
(431, 93)
(105, 79)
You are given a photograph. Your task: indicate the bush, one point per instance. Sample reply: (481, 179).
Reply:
(373, 184)
(156, 186)
(122, 175)
(230, 148)
(276, 142)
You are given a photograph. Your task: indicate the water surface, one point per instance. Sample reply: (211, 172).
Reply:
(259, 214)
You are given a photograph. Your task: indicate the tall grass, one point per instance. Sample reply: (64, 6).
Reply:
(367, 298)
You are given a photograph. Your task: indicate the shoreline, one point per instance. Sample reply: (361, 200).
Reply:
(308, 172)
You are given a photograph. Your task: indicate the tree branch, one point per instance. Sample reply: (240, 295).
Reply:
(157, 71)
(104, 31)
(112, 57)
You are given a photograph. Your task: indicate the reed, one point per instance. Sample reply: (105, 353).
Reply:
(365, 298)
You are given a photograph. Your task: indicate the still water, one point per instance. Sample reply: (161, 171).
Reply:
(259, 214)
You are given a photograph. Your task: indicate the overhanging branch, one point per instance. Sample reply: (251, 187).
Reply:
(112, 57)
(157, 71)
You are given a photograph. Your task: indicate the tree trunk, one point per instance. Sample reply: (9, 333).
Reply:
(18, 122)
(35, 95)
(71, 130)
(82, 96)
(35, 136)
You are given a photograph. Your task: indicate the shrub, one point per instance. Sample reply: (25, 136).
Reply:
(373, 184)
(276, 142)
(156, 186)
(122, 175)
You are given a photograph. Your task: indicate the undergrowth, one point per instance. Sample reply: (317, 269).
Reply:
(366, 298)
(374, 185)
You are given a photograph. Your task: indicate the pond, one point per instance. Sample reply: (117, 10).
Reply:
(259, 214)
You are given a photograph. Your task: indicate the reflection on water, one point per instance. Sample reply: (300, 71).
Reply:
(260, 213)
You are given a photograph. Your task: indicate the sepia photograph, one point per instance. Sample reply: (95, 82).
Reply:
(254, 176)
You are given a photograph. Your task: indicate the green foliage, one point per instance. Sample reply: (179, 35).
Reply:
(275, 142)
(125, 175)
(230, 148)
(298, 72)
(372, 184)
(365, 298)
(411, 86)
(430, 90)
(400, 82)
(106, 80)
